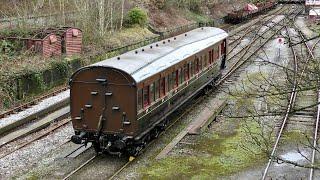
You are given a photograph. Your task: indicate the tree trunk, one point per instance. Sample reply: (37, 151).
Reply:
(101, 18)
(122, 9)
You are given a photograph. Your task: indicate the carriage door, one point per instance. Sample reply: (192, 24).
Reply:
(223, 54)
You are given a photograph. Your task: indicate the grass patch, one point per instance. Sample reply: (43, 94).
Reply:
(216, 155)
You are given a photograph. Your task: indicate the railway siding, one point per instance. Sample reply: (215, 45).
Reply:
(199, 124)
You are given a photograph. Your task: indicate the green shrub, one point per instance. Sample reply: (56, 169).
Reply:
(61, 66)
(136, 16)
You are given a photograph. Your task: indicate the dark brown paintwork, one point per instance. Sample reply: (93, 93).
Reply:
(123, 90)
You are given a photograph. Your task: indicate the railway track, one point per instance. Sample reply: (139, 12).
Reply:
(34, 102)
(293, 96)
(247, 52)
(230, 77)
(250, 29)
(131, 160)
(24, 106)
(316, 129)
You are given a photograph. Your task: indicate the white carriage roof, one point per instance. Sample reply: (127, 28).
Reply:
(149, 61)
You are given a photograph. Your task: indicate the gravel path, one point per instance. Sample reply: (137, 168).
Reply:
(25, 159)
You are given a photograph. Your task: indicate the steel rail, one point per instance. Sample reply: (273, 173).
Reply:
(80, 167)
(316, 130)
(291, 101)
(39, 136)
(239, 63)
(132, 159)
(250, 29)
(256, 37)
(289, 106)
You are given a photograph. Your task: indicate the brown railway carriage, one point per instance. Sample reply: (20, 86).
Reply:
(119, 103)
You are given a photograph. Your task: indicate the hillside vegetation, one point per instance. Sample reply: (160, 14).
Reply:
(106, 24)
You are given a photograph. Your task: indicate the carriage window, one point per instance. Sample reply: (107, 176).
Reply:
(166, 80)
(200, 63)
(180, 76)
(191, 70)
(212, 56)
(205, 61)
(197, 66)
(146, 100)
(223, 47)
(152, 93)
(163, 87)
(170, 82)
(157, 89)
(140, 99)
(176, 77)
(173, 80)
(217, 52)
(186, 72)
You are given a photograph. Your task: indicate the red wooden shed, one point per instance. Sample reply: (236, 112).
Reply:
(71, 40)
(43, 42)
(48, 46)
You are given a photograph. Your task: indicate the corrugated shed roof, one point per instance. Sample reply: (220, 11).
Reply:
(144, 62)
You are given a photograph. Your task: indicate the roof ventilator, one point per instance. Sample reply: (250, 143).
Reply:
(78, 118)
(108, 94)
(88, 106)
(101, 80)
(116, 108)
(94, 93)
